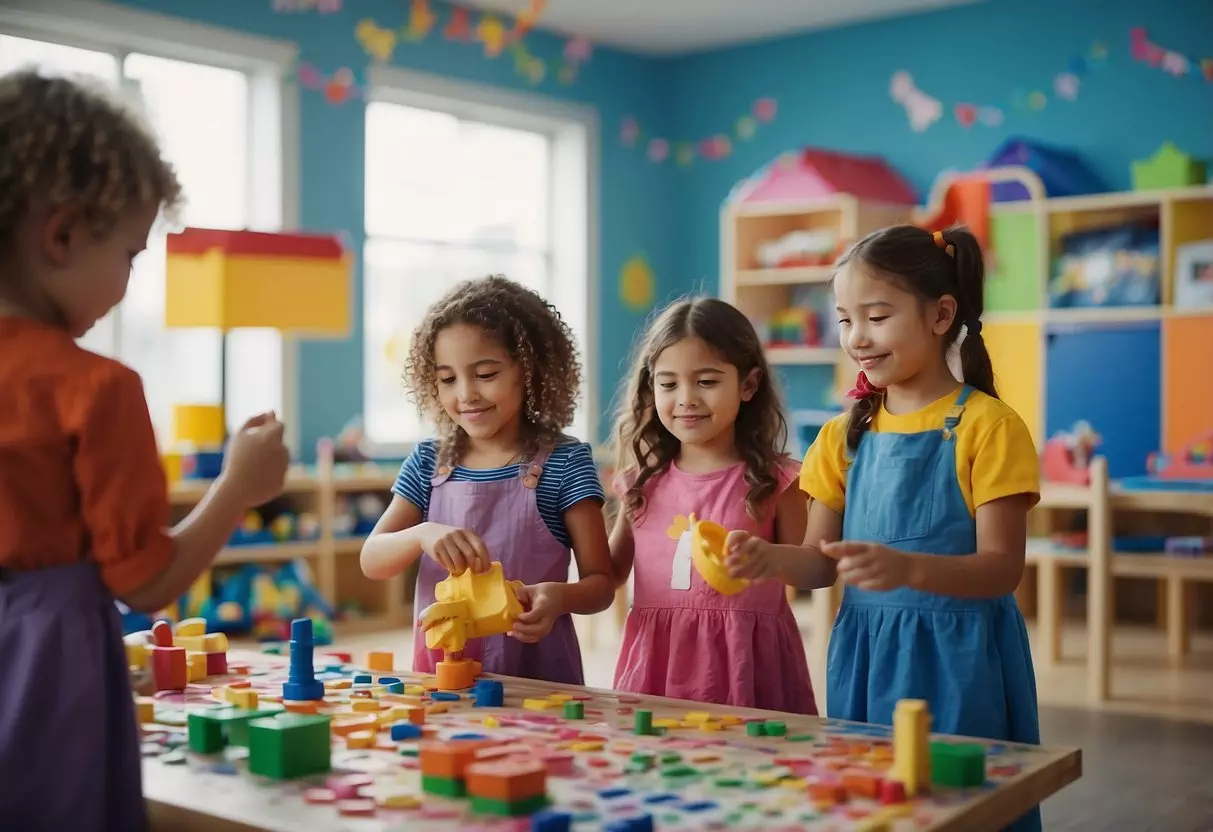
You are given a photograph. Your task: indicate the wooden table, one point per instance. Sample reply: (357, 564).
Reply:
(751, 782)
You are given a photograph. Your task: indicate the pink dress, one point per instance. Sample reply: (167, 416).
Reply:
(685, 640)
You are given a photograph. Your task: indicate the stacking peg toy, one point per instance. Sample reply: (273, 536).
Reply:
(301, 684)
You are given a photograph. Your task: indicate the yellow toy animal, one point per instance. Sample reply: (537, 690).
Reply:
(471, 605)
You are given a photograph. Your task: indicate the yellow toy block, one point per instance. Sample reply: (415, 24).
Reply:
(242, 698)
(380, 660)
(536, 704)
(471, 605)
(911, 745)
(191, 627)
(215, 643)
(707, 555)
(145, 709)
(195, 666)
(192, 644)
(136, 650)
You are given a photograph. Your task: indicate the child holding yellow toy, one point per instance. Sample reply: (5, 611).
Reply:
(702, 434)
(497, 370)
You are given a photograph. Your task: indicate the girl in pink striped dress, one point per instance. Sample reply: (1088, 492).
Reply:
(702, 433)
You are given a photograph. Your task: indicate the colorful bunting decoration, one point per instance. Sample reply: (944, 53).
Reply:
(923, 109)
(1173, 63)
(338, 88)
(713, 148)
(487, 30)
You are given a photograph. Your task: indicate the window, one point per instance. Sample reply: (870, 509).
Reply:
(456, 188)
(204, 114)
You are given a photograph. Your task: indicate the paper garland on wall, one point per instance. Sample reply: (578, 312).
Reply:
(1169, 61)
(489, 31)
(338, 88)
(321, 6)
(636, 284)
(712, 149)
(923, 109)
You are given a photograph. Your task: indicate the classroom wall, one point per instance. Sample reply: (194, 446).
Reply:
(832, 90)
(635, 197)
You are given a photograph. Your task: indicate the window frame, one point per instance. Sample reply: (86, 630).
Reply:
(273, 105)
(574, 202)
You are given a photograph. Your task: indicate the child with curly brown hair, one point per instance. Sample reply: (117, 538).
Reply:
(83, 500)
(495, 367)
(701, 431)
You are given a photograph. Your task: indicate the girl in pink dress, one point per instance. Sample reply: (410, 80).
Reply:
(702, 432)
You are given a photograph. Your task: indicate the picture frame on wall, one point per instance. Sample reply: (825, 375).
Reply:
(1194, 276)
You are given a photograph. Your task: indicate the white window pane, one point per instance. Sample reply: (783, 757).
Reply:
(430, 176)
(254, 374)
(401, 280)
(55, 58)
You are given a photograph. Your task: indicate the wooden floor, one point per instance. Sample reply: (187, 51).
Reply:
(1147, 756)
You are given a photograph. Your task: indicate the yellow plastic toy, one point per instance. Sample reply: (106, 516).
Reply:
(707, 554)
(471, 605)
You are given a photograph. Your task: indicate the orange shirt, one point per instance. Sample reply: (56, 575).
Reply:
(80, 473)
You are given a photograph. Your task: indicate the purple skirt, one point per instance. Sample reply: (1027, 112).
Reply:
(69, 743)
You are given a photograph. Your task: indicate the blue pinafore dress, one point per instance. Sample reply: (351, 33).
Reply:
(969, 658)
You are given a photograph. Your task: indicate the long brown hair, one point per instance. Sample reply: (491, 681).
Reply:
(531, 330)
(915, 260)
(645, 448)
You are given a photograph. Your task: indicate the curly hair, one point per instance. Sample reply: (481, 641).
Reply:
(530, 330)
(643, 446)
(70, 142)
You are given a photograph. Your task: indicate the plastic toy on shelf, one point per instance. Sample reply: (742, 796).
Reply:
(1067, 455)
(1196, 463)
(468, 605)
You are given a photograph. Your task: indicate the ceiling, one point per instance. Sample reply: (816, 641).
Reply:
(667, 27)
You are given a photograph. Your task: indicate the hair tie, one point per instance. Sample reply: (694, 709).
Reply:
(940, 242)
(863, 388)
(973, 326)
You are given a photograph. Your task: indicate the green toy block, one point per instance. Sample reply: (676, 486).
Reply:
(211, 729)
(1169, 167)
(509, 808)
(958, 764)
(443, 786)
(289, 745)
(775, 728)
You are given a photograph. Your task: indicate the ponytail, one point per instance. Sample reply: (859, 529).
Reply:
(862, 414)
(965, 250)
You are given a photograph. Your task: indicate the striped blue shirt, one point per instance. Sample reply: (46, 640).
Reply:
(569, 476)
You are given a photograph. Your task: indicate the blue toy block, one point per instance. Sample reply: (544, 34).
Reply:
(488, 693)
(444, 696)
(638, 823)
(551, 820)
(405, 731)
(363, 679)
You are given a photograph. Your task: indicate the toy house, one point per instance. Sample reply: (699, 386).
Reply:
(1062, 172)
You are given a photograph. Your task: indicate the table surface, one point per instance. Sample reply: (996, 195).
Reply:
(744, 782)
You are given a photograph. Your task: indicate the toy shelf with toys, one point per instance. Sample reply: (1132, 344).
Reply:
(297, 556)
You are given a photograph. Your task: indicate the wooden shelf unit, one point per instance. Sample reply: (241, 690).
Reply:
(758, 291)
(333, 560)
(1111, 510)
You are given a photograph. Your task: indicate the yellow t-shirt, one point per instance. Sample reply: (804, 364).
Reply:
(995, 455)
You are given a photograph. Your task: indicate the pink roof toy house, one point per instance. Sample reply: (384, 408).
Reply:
(814, 173)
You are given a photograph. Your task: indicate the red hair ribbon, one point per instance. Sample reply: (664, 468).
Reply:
(863, 388)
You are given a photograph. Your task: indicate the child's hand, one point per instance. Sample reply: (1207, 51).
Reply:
(543, 605)
(456, 549)
(256, 460)
(871, 566)
(749, 556)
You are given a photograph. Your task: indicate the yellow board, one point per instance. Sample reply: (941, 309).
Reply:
(305, 296)
(1015, 350)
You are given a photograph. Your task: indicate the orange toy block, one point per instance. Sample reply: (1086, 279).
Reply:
(450, 759)
(508, 780)
(347, 725)
(457, 674)
(380, 660)
(169, 669)
(416, 716)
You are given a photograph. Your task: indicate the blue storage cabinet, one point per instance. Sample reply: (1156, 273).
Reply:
(1109, 375)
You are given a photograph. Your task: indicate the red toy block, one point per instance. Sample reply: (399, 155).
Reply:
(162, 633)
(892, 791)
(169, 668)
(216, 664)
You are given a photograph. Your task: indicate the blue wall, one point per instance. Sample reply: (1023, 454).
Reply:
(634, 198)
(833, 91)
